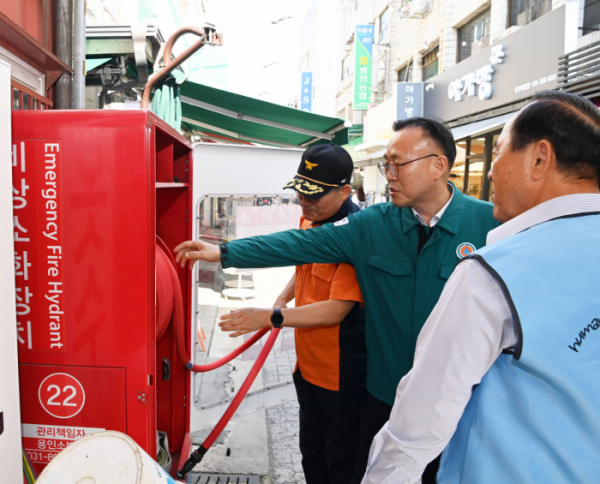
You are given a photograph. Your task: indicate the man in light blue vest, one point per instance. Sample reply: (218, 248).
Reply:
(506, 371)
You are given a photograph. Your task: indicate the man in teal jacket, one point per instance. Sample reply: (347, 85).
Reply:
(403, 253)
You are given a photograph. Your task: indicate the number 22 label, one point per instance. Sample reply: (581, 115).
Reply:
(61, 395)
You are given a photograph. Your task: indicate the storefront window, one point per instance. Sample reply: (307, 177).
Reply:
(457, 174)
(494, 139)
(477, 146)
(475, 180)
(475, 168)
(473, 161)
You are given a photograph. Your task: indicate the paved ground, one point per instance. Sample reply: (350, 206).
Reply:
(264, 443)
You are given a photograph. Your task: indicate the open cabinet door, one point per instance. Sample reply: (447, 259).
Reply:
(226, 170)
(246, 183)
(10, 419)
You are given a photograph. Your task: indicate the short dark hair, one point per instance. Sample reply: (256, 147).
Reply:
(434, 130)
(570, 123)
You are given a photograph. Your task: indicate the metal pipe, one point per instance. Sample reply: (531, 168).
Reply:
(63, 14)
(78, 91)
(170, 64)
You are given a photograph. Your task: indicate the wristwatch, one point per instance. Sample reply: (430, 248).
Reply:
(277, 318)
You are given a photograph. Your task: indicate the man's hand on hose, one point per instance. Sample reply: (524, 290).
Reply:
(245, 321)
(194, 250)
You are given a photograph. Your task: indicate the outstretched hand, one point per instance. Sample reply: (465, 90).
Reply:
(245, 321)
(194, 250)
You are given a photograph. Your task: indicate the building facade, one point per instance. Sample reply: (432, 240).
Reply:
(27, 46)
(453, 47)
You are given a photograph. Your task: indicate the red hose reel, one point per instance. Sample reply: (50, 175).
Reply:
(169, 306)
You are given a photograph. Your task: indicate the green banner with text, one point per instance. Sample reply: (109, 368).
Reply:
(363, 66)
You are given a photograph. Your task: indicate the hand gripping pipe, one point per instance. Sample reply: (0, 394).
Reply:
(165, 271)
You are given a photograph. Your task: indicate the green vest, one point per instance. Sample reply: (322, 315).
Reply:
(399, 288)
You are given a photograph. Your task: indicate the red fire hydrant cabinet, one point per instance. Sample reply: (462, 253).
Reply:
(92, 191)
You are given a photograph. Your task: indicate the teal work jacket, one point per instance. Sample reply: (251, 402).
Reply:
(399, 287)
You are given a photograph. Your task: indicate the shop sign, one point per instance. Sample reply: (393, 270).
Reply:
(409, 97)
(524, 62)
(482, 78)
(306, 97)
(363, 64)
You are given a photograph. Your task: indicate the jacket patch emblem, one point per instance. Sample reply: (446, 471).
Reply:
(309, 165)
(464, 250)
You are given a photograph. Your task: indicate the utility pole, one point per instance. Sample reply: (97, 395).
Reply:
(63, 14)
(78, 92)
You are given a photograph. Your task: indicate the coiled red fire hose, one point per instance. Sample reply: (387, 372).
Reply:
(168, 286)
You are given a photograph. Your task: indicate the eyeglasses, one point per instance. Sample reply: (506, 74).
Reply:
(314, 201)
(392, 168)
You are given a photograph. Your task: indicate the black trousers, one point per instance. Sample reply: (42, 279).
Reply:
(328, 433)
(374, 416)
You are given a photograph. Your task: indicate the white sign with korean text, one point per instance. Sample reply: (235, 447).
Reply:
(42, 443)
(409, 100)
(479, 82)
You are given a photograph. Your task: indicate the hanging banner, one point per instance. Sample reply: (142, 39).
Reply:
(306, 97)
(363, 63)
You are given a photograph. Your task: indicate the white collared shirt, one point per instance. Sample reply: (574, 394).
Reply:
(436, 218)
(465, 333)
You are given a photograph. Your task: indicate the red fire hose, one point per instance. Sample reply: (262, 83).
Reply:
(170, 303)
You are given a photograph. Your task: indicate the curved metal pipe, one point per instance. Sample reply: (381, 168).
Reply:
(170, 64)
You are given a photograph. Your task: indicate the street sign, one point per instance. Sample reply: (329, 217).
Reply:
(306, 97)
(409, 100)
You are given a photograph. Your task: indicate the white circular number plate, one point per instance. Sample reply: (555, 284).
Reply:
(61, 395)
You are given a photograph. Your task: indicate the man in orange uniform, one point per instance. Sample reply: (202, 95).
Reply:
(330, 323)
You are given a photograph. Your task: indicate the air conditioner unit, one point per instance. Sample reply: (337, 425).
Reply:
(419, 8)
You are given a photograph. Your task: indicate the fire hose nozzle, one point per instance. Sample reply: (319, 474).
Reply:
(195, 458)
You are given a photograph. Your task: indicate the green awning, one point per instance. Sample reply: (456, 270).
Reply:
(93, 63)
(242, 118)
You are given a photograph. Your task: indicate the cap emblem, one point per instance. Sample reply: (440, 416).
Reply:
(464, 250)
(309, 165)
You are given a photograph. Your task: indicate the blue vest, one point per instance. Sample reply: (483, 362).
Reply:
(535, 416)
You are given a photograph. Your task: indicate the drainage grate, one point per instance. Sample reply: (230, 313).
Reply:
(224, 479)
